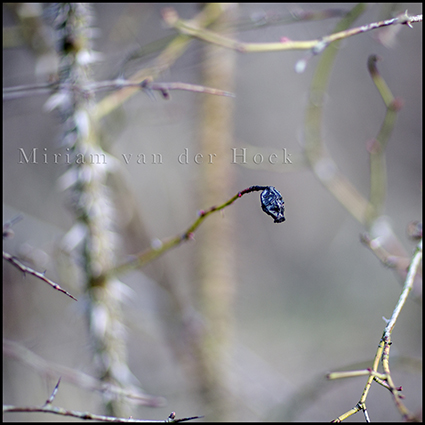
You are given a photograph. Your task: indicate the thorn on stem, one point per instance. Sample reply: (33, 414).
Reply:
(405, 19)
(165, 94)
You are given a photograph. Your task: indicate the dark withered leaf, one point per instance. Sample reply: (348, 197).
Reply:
(272, 204)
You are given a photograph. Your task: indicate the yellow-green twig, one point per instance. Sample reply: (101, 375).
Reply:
(378, 172)
(383, 351)
(407, 287)
(380, 83)
(321, 162)
(144, 257)
(191, 29)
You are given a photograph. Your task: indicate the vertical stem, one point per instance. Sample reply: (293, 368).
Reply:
(216, 277)
(90, 198)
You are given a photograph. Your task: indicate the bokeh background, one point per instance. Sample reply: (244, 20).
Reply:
(309, 296)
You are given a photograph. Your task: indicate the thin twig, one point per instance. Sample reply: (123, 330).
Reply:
(376, 148)
(273, 19)
(118, 84)
(188, 28)
(381, 253)
(394, 391)
(164, 61)
(407, 287)
(48, 408)
(13, 260)
(144, 257)
(383, 351)
(53, 395)
(7, 226)
(89, 416)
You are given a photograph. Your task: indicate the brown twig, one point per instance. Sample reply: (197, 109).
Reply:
(13, 260)
(144, 257)
(48, 408)
(90, 416)
(119, 84)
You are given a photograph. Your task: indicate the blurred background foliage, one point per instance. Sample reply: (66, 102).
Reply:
(307, 296)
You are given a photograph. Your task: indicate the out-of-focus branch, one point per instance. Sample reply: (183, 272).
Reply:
(214, 284)
(320, 161)
(91, 201)
(48, 369)
(273, 18)
(376, 148)
(164, 61)
(119, 84)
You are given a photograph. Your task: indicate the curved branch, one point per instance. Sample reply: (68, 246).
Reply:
(144, 257)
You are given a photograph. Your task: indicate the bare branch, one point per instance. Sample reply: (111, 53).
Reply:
(89, 416)
(48, 408)
(408, 284)
(188, 28)
(119, 84)
(383, 351)
(144, 257)
(13, 260)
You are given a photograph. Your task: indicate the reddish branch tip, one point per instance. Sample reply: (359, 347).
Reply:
(284, 39)
(414, 230)
(372, 146)
(169, 15)
(396, 104)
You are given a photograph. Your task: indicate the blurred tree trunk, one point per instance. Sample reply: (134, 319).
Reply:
(215, 283)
